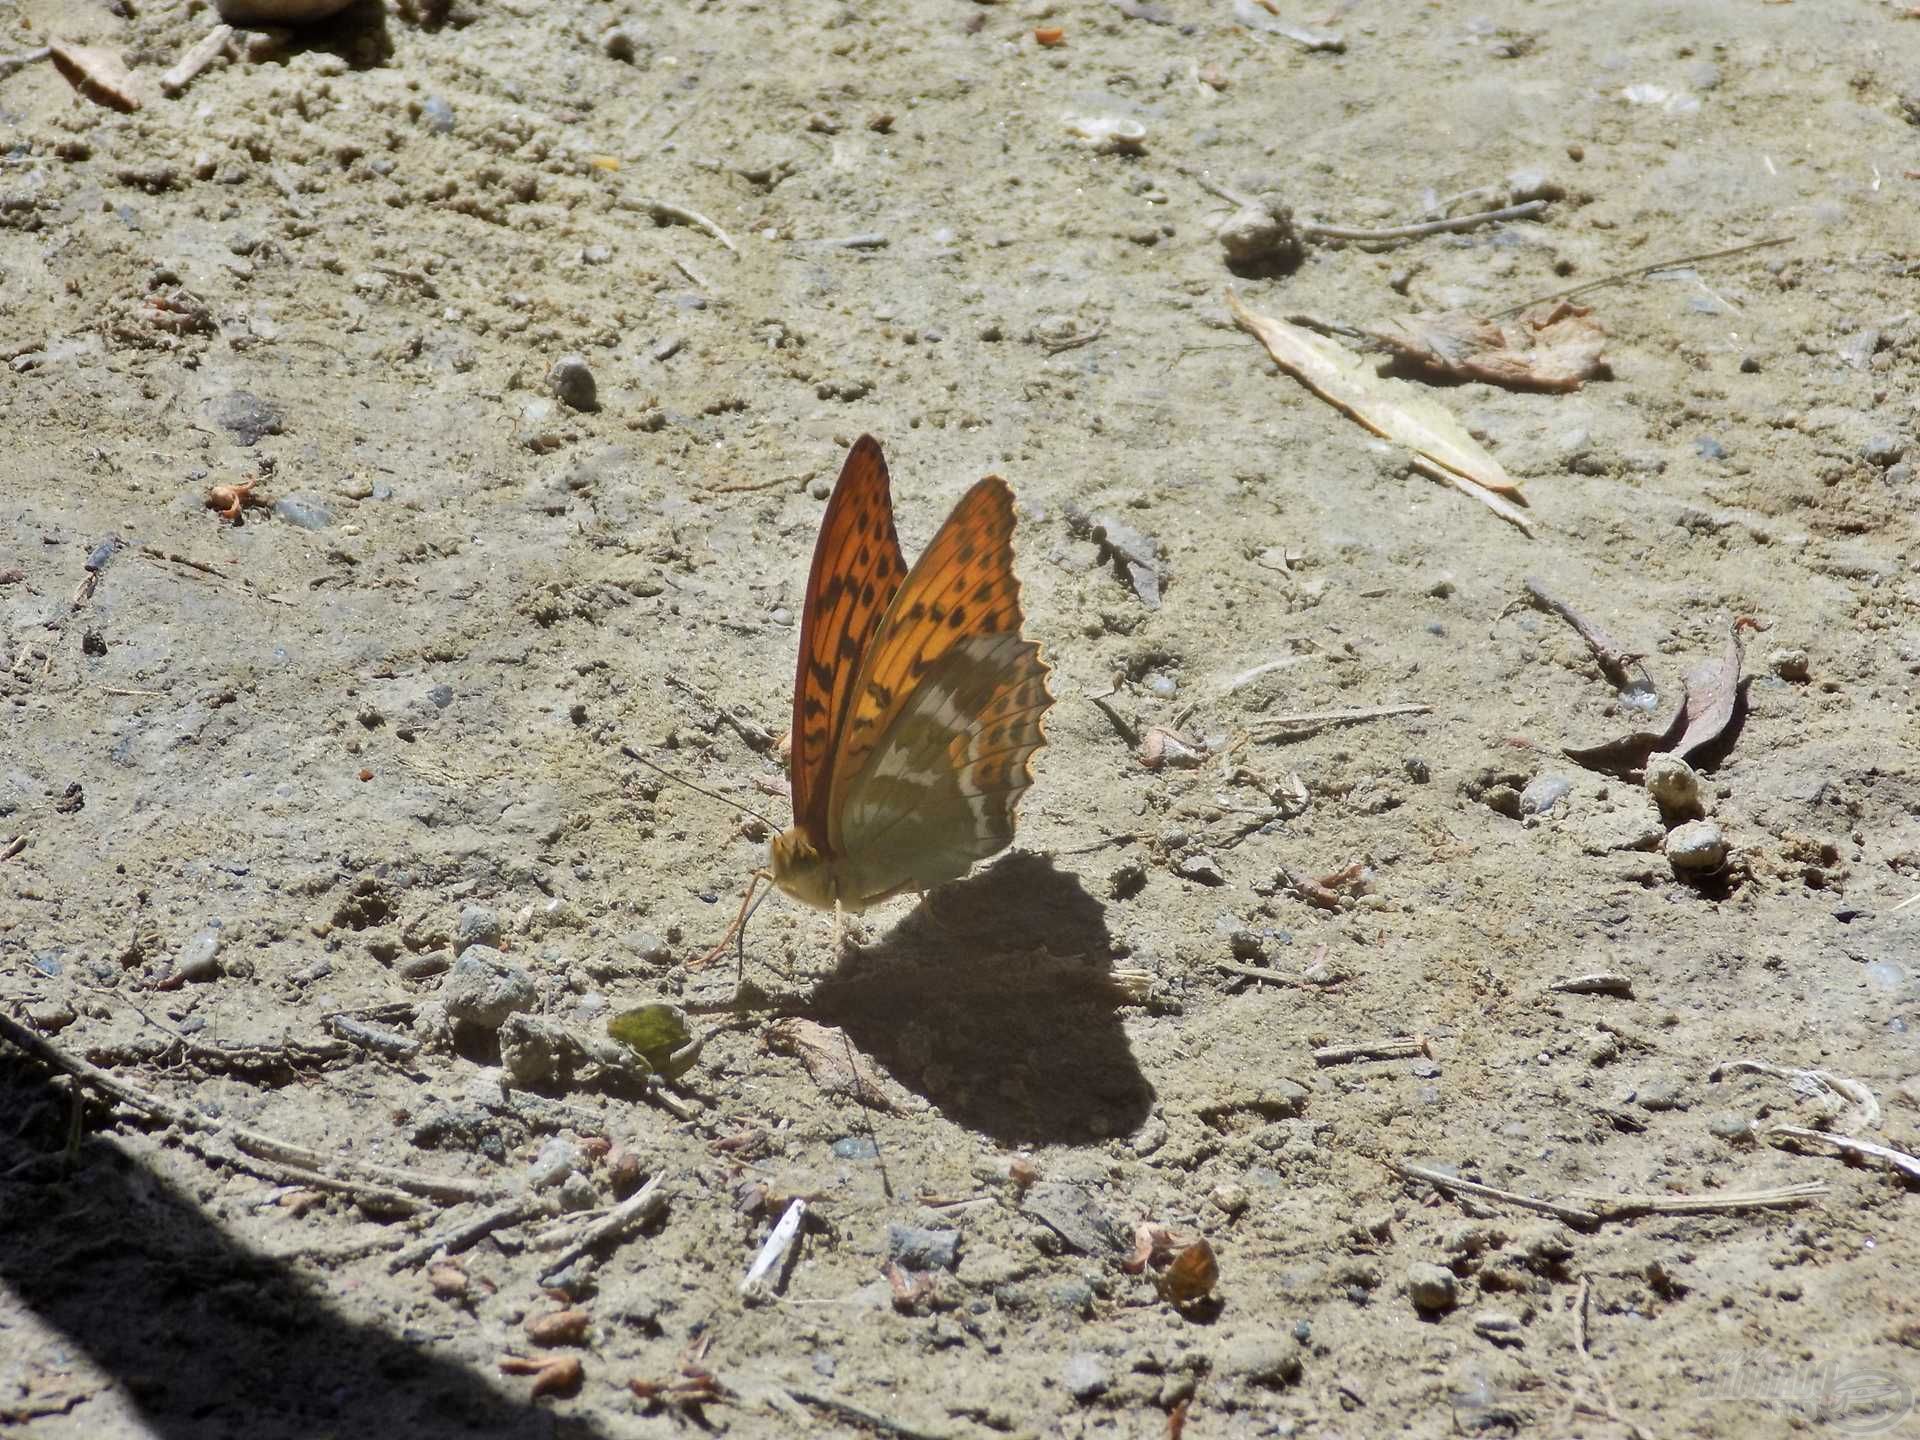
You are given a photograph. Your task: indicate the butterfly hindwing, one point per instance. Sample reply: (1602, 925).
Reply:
(857, 567)
(939, 790)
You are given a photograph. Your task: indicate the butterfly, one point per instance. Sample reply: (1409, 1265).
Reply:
(918, 705)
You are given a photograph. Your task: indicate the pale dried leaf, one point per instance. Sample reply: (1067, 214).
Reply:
(1713, 686)
(830, 1060)
(1545, 349)
(1392, 409)
(98, 74)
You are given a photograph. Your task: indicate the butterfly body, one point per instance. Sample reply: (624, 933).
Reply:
(918, 704)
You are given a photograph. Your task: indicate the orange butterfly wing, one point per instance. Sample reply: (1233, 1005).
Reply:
(962, 587)
(857, 567)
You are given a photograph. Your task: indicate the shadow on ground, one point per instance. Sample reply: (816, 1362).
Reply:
(995, 999)
(208, 1339)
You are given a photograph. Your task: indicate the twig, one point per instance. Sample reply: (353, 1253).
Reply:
(11, 63)
(456, 1236)
(773, 1254)
(1440, 1180)
(1403, 1047)
(13, 847)
(383, 1184)
(386, 1043)
(1119, 721)
(1865, 1114)
(1306, 722)
(203, 53)
(879, 1424)
(1613, 661)
(870, 240)
(1256, 972)
(1860, 1149)
(1626, 275)
(1597, 984)
(1426, 227)
(664, 212)
(631, 1213)
(1626, 1207)
(1065, 343)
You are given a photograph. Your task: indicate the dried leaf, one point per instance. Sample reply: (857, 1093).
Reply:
(1391, 409)
(1191, 1277)
(559, 1327)
(1713, 686)
(911, 1288)
(1621, 757)
(97, 74)
(552, 1374)
(1150, 1242)
(831, 1061)
(659, 1035)
(1545, 349)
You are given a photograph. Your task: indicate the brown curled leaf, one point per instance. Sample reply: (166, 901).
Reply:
(552, 1374)
(1556, 348)
(1713, 688)
(559, 1327)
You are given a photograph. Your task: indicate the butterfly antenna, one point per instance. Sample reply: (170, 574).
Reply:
(635, 755)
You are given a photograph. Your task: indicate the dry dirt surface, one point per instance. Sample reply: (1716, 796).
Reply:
(263, 777)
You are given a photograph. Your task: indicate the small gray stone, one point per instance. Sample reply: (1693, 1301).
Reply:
(299, 510)
(855, 1147)
(1261, 1357)
(1260, 236)
(1085, 1377)
(536, 1051)
(577, 1192)
(1071, 1296)
(246, 417)
(558, 1159)
(1696, 847)
(1793, 665)
(198, 958)
(436, 114)
(1674, 786)
(477, 926)
(484, 988)
(572, 383)
(1856, 350)
(1883, 450)
(1661, 1093)
(1498, 1326)
(1543, 792)
(922, 1249)
(1731, 1126)
(1431, 1288)
(1202, 869)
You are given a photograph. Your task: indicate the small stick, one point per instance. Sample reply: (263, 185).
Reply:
(773, 1254)
(870, 240)
(1626, 275)
(1626, 1207)
(1119, 721)
(631, 1213)
(1440, 1180)
(14, 847)
(1311, 720)
(1600, 983)
(1861, 1149)
(1612, 660)
(457, 1236)
(1256, 972)
(665, 212)
(1403, 1047)
(1073, 342)
(1426, 227)
(203, 53)
(1593, 1370)
(11, 63)
(387, 1043)
(879, 1424)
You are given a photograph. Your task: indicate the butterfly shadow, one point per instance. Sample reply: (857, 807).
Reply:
(207, 1338)
(995, 999)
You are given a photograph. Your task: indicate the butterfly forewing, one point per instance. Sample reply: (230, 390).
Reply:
(857, 567)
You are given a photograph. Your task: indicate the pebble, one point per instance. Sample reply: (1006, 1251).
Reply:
(246, 417)
(199, 958)
(477, 926)
(1883, 450)
(425, 966)
(1543, 792)
(307, 514)
(1085, 1376)
(1497, 1326)
(922, 1249)
(1432, 1288)
(1708, 448)
(572, 383)
(1230, 1198)
(1696, 847)
(535, 1051)
(1203, 869)
(558, 1159)
(1856, 351)
(1162, 685)
(1731, 1126)
(437, 115)
(50, 1017)
(1661, 1094)
(484, 989)
(1790, 664)
(1262, 1356)
(1071, 1296)
(1260, 237)
(1418, 770)
(1674, 786)
(856, 1147)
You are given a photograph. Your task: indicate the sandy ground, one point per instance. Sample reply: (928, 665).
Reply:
(261, 779)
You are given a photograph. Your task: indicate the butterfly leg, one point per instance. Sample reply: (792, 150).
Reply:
(737, 931)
